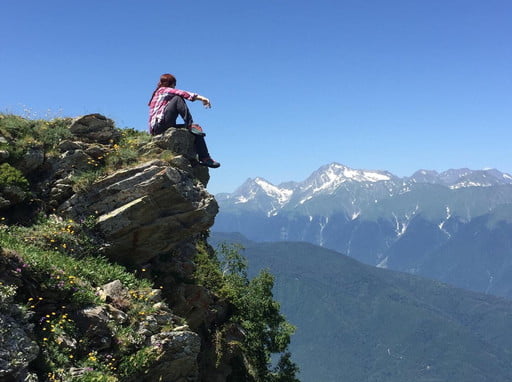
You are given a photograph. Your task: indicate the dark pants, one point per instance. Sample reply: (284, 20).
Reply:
(177, 106)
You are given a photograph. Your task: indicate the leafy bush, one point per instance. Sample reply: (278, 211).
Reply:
(10, 176)
(83, 180)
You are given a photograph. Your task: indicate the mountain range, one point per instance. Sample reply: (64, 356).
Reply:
(454, 226)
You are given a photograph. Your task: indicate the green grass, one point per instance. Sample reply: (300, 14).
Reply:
(66, 282)
(54, 267)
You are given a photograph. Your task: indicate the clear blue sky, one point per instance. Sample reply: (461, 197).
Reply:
(396, 85)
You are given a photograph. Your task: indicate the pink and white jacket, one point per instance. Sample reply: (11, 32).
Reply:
(160, 100)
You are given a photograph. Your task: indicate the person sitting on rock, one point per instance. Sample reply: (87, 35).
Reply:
(166, 104)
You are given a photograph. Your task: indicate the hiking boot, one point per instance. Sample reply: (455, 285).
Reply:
(209, 162)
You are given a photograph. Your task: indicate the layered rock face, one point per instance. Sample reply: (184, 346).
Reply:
(150, 214)
(145, 211)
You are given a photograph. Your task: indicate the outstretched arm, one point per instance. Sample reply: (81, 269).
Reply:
(190, 96)
(204, 100)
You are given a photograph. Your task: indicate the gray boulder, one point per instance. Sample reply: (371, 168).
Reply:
(178, 361)
(95, 128)
(31, 160)
(178, 141)
(17, 349)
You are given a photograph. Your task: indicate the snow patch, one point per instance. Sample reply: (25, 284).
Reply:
(383, 263)
(241, 199)
(441, 225)
(322, 227)
(400, 227)
(490, 283)
(306, 199)
(282, 195)
(335, 174)
(469, 184)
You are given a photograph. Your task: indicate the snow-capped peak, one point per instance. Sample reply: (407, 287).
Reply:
(252, 188)
(329, 177)
(282, 195)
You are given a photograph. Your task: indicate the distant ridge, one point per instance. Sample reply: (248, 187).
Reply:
(423, 224)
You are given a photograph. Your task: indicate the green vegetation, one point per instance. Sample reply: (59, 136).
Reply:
(257, 315)
(65, 245)
(10, 176)
(28, 133)
(58, 257)
(139, 361)
(127, 151)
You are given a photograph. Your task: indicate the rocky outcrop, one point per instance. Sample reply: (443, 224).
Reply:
(32, 160)
(181, 143)
(145, 211)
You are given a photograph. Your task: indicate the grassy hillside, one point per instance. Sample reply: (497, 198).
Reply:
(359, 323)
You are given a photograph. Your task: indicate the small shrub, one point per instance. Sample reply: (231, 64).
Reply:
(10, 176)
(140, 361)
(51, 133)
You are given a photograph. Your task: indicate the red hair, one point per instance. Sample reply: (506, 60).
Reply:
(166, 80)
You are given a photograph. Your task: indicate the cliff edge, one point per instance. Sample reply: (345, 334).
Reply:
(105, 272)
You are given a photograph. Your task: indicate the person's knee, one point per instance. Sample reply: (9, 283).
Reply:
(173, 104)
(177, 101)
